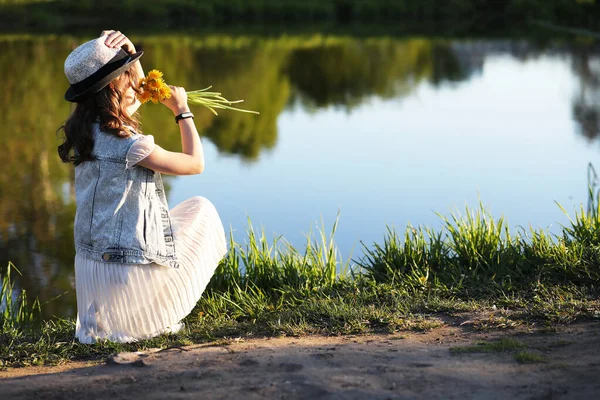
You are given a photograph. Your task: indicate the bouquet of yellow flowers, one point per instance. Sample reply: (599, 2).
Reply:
(153, 88)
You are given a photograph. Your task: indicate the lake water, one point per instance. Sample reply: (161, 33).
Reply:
(385, 132)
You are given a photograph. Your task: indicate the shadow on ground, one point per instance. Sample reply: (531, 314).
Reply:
(396, 366)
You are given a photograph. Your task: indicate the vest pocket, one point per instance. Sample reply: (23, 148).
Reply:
(167, 232)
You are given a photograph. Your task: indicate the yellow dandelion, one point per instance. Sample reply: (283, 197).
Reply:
(155, 99)
(144, 96)
(165, 92)
(155, 74)
(152, 84)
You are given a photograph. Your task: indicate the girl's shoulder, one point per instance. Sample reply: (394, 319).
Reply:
(132, 130)
(140, 150)
(130, 134)
(112, 146)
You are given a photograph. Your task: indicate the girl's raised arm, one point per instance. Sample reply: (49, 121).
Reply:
(190, 160)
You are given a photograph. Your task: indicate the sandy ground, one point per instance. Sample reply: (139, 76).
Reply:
(396, 366)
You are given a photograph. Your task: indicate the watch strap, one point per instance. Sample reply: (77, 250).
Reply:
(183, 116)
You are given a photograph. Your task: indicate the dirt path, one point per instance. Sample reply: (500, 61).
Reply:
(398, 366)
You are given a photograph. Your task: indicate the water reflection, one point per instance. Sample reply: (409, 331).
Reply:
(36, 190)
(586, 102)
(347, 72)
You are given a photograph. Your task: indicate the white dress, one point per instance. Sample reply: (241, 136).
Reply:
(128, 302)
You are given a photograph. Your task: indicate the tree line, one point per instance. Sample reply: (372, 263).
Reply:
(453, 15)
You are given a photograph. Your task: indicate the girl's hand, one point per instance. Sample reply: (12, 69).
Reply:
(178, 100)
(116, 39)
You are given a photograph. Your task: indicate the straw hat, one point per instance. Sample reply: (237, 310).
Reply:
(93, 65)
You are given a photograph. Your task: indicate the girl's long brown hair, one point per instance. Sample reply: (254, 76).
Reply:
(109, 108)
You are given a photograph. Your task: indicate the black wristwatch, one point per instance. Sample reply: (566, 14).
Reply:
(183, 116)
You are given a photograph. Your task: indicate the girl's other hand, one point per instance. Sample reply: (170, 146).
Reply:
(178, 101)
(116, 39)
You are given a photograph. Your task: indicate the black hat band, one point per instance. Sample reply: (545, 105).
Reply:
(115, 63)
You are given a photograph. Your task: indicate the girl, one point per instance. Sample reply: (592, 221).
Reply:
(139, 267)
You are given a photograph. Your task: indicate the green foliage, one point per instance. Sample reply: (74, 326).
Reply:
(585, 228)
(527, 357)
(15, 312)
(279, 267)
(473, 15)
(502, 345)
(344, 72)
(18, 2)
(347, 306)
(406, 263)
(475, 254)
(482, 246)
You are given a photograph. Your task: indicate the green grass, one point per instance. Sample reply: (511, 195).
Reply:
(526, 357)
(476, 255)
(502, 345)
(15, 311)
(470, 13)
(268, 289)
(279, 267)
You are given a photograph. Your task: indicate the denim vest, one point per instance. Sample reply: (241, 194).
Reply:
(122, 213)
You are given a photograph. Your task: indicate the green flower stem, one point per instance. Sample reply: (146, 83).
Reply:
(212, 100)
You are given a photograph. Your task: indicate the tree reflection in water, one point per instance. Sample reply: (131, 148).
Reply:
(586, 101)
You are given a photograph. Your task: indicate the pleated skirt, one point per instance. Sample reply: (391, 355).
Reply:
(128, 302)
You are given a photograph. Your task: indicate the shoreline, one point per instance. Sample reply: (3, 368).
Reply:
(414, 281)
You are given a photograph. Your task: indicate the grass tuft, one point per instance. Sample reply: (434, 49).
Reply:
(526, 357)
(504, 344)
(15, 312)
(476, 256)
